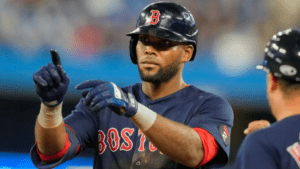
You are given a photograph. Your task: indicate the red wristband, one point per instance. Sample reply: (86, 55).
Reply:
(59, 155)
(210, 146)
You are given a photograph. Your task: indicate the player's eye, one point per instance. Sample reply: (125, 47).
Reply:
(143, 39)
(161, 44)
(166, 44)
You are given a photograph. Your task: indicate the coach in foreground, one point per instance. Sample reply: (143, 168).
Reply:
(159, 123)
(277, 146)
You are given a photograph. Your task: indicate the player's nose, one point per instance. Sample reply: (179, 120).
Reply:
(150, 50)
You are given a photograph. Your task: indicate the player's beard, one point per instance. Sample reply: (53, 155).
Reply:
(163, 74)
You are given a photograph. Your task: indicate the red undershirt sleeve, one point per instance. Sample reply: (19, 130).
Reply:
(59, 155)
(210, 146)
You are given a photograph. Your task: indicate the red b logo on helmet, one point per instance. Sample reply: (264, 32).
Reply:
(154, 17)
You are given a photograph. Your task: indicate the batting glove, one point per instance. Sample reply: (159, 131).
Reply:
(51, 81)
(107, 94)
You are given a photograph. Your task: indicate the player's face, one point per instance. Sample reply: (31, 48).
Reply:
(158, 59)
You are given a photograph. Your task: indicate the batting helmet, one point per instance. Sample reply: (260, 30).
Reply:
(166, 20)
(282, 55)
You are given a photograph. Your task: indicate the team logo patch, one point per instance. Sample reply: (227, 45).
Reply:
(154, 17)
(294, 150)
(223, 129)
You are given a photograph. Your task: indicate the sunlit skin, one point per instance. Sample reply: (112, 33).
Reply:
(160, 64)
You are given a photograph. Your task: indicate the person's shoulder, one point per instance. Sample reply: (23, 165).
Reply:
(280, 127)
(260, 134)
(256, 147)
(207, 96)
(257, 141)
(202, 93)
(287, 123)
(266, 135)
(211, 103)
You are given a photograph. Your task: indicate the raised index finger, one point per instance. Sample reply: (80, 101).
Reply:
(55, 57)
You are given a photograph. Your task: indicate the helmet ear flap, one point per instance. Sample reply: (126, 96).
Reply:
(132, 48)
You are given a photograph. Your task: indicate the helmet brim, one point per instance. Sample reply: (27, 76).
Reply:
(159, 32)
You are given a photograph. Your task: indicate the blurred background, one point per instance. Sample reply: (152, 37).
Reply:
(90, 37)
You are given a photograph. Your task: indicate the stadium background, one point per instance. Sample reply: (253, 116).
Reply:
(90, 37)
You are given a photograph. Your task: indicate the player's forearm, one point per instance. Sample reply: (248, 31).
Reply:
(50, 133)
(177, 141)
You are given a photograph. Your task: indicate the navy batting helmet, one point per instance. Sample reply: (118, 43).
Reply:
(282, 55)
(166, 20)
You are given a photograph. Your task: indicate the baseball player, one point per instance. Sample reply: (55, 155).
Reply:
(277, 146)
(161, 122)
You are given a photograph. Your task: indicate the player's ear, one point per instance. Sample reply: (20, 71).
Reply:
(272, 82)
(188, 52)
